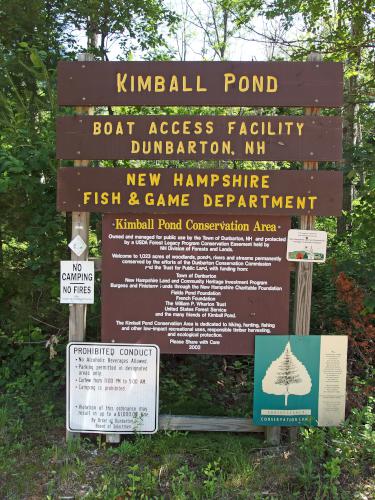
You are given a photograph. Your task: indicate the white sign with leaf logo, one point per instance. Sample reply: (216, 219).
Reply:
(287, 375)
(300, 380)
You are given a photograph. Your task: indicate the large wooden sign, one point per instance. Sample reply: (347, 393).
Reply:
(199, 137)
(200, 83)
(198, 284)
(179, 191)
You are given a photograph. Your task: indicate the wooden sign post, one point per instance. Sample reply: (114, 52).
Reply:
(304, 273)
(303, 278)
(80, 227)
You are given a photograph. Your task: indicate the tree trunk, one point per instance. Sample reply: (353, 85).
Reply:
(352, 129)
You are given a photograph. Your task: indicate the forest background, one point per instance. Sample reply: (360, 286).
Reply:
(34, 36)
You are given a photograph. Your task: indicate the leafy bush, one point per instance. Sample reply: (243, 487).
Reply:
(331, 459)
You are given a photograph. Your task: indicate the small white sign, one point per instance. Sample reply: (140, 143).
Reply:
(77, 245)
(76, 282)
(112, 388)
(306, 245)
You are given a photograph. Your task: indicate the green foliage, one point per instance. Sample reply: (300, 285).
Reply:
(135, 24)
(33, 238)
(327, 463)
(225, 385)
(329, 456)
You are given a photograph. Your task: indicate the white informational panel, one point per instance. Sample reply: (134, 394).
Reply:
(306, 245)
(77, 282)
(112, 388)
(332, 380)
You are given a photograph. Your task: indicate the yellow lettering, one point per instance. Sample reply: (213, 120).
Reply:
(144, 83)
(163, 128)
(159, 83)
(119, 224)
(198, 128)
(214, 179)
(254, 128)
(312, 201)
(96, 128)
(241, 201)
(230, 127)
(116, 198)
(141, 179)
(154, 179)
(173, 85)
(264, 199)
(265, 181)
(219, 200)
(130, 179)
(153, 128)
(271, 84)
(243, 84)
(230, 199)
(258, 82)
(236, 180)
(253, 201)
(175, 128)
(178, 180)
(269, 129)
(289, 201)
(199, 88)
(202, 180)
(301, 202)
(225, 147)
(277, 202)
(226, 180)
(180, 148)
(207, 200)
(288, 127)
(243, 130)
(300, 126)
(229, 79)
(249, 147)
(108, 128)
(130, 127)
(261, 147)
(135, 147)
(185, 200)
(192, 147)
(185, 88)
(121, 82)
(119, 130)
(86, 197)
(186, 127)
(214, 147)
(254, 180)
(146, 147)
(149, 199)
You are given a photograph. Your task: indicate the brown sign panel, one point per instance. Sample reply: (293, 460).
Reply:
(194, 284)
(204, 191)
(200, 83)
(199, 137)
